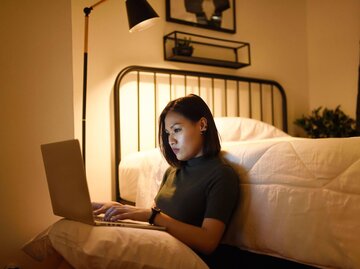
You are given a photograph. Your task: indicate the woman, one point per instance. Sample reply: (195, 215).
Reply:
(199, 191)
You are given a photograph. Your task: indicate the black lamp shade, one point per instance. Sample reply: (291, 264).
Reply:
(140, 14)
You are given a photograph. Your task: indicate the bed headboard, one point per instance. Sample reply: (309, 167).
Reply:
(140, 94)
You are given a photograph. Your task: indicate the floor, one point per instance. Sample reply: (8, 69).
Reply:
(252, 260)
(232, 258)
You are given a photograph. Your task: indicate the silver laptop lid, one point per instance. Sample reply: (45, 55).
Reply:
(66, 180)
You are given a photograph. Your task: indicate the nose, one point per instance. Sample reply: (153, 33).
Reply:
(172, 140)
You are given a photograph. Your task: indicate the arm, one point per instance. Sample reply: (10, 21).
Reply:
(203, 239)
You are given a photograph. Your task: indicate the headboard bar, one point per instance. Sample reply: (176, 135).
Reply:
(250, 100)
(156, 70)
(272, 106)
(253, 84)
(261, 103)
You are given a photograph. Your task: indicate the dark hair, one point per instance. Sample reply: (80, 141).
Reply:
(193, 108)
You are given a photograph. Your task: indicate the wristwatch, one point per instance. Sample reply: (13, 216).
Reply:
(154, 211)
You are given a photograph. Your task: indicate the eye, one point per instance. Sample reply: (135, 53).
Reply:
(176, 130)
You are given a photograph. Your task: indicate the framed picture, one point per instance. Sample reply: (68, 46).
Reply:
(216, 15)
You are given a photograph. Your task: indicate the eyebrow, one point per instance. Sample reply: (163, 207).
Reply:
(172, 126)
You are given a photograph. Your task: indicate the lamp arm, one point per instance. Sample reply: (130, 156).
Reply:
(97, 3)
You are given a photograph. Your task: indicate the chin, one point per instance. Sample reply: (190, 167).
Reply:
(181, 158)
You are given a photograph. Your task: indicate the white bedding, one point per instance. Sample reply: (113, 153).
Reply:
(300, 198)
(231, 129)
(84, 246)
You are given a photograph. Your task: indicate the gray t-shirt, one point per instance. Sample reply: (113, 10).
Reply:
(202, 188)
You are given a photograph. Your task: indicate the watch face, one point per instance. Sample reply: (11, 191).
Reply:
(156, 209)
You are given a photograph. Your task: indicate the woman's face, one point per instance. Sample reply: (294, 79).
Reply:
(184, 136)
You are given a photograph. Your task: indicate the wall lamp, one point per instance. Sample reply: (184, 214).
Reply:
(140, 16)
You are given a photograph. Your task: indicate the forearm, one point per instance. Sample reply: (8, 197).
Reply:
(203, 239)
(198, 238)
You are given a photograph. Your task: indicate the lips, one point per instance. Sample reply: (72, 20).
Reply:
(175, 150)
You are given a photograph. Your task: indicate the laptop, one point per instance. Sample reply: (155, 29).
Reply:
(68, 187)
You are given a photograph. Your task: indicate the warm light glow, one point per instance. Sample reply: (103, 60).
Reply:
(209, 90)
(143, 25)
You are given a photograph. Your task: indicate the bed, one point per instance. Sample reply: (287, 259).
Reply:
(300, 198)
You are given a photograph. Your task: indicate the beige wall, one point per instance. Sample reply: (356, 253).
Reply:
(333, 42)
(289, 43)
(36, 106)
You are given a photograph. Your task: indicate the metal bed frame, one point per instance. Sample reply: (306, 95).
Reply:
(261, 85)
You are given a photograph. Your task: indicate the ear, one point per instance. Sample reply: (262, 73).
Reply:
(203, 124)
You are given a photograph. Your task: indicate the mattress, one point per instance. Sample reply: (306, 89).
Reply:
(300, 198)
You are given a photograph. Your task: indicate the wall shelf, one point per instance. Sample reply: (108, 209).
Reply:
(208, 50)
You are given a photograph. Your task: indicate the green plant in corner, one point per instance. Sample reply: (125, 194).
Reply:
(327, 123)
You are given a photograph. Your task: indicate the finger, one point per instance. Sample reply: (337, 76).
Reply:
(116, 213)
(121, 216)
(107, 214)
(110, 213)
(96, 205)
(97, 212)
(101, 210)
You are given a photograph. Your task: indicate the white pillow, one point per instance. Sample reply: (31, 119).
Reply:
(240, 129)
(86, 246)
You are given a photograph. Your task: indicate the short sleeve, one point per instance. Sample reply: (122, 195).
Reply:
(222, 195)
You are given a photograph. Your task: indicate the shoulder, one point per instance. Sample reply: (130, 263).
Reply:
(226, 171)
(223, 177)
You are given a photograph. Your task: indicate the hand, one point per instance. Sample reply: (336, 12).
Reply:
(101, 208)
(115, 211)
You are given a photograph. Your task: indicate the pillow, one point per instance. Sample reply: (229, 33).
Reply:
(240, 129)
(86, 246)
(135, 168)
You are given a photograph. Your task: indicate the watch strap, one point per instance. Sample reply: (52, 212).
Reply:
(154, 211)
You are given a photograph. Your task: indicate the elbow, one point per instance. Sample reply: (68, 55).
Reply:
(207, 251)
(208, 247)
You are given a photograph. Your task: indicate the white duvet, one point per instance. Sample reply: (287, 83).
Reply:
(300, 198)
(231, 129)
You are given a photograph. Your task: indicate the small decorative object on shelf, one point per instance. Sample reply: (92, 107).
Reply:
(183, 47)
(199, 49)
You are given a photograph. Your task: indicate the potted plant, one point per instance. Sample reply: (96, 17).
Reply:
(183, 47)
(327, 123)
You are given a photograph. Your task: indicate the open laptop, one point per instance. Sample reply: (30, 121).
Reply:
(68, 187)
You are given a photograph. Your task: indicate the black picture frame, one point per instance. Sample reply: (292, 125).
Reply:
(203, 14)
